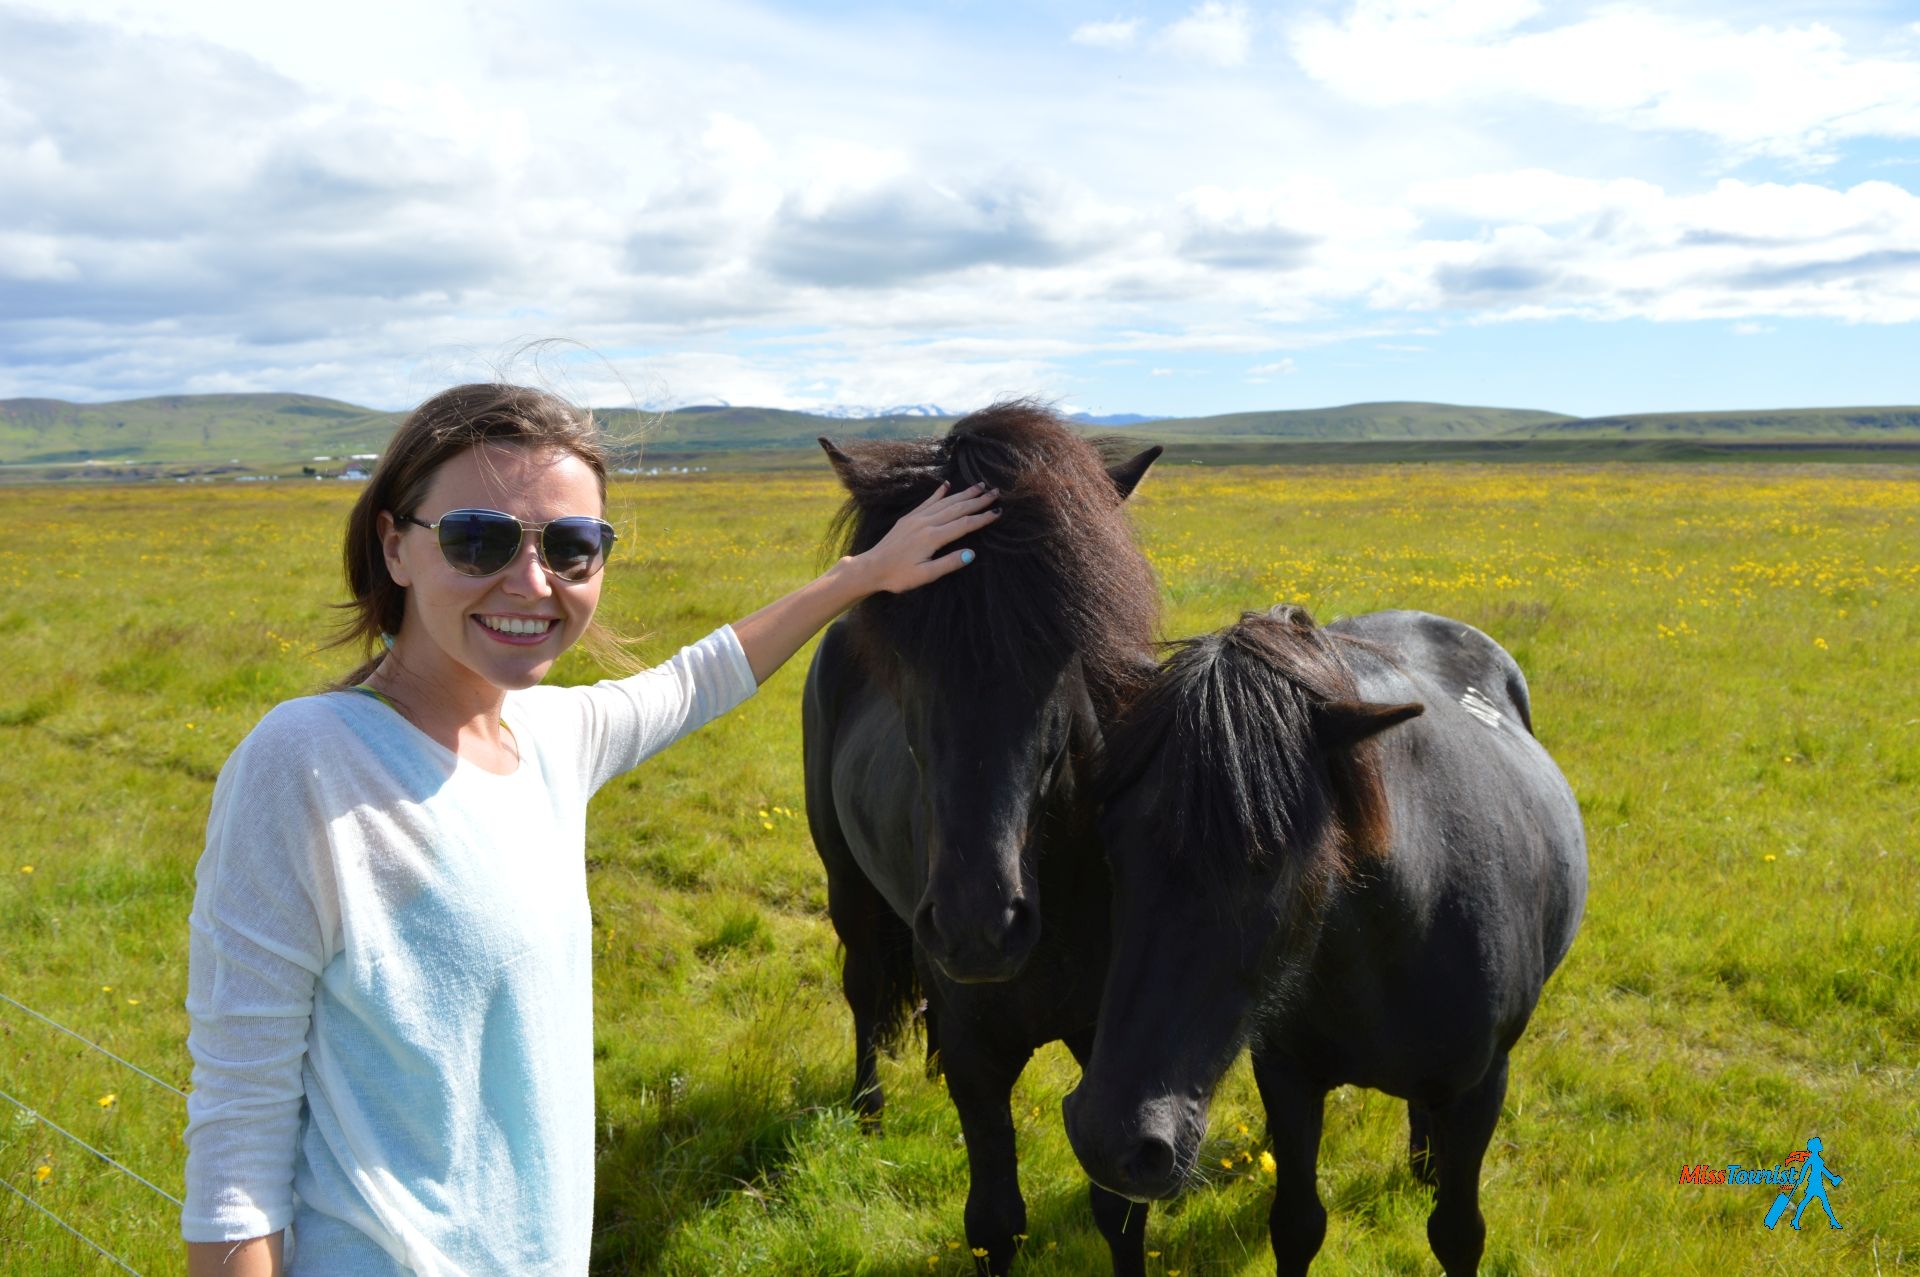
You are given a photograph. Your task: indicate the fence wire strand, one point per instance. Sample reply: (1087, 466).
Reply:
(105, 1254)
(125, 1170)
(49, 1020)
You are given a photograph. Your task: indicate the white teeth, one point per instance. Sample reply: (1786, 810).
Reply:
(515, 625)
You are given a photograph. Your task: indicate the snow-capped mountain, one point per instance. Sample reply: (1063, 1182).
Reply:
(1111, 418)
(856, 412)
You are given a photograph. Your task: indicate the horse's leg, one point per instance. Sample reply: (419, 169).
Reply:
(876, 974)
(1121, 1222)
(1420, 1143)
(1297, 1223)
(980, 1077)
(1462, 1129)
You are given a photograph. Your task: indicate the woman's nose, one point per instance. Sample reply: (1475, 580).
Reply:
(526, 576)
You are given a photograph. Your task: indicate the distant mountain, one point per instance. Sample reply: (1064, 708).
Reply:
(853, 412)
(1111, 419)
(273, 428)
(1898, 423)
(280, 430)
(1360, 421)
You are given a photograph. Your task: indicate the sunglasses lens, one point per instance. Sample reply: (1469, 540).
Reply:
(478, 543)
(576, 548)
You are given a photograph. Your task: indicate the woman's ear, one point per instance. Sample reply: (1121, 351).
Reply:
(389, 530)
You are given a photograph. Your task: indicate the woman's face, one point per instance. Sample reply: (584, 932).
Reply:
(451, 628)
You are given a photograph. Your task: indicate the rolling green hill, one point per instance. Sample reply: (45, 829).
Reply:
(283, 430)
(1860, 424)
(1356, 422)
(269, 429)
(731, 429)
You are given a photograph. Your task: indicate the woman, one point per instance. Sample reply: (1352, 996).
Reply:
(390, 986)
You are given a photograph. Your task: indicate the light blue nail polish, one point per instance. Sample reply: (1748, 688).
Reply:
(966, 556)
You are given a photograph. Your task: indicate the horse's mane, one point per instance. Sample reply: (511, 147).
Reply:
(1057, 574)
(1244, 775)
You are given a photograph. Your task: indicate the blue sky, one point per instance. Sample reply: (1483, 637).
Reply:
(1179, 208)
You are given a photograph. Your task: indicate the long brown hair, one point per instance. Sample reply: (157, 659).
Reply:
(434, 433)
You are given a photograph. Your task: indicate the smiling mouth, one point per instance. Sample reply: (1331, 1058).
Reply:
(519, 630)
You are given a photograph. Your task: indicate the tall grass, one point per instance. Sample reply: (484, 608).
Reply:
(1721, 660)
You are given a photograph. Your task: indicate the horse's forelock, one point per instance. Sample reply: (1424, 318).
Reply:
(1227, 730)
(1057, 575)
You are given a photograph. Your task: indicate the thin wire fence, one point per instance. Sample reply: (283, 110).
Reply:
(49, 1020)
(42, 1118)
(124, 1169)
(106, 1254)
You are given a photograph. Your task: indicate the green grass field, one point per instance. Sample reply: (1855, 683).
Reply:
(1722, 660)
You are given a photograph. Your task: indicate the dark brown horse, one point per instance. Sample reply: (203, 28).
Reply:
(1345, 848)
(950, 738)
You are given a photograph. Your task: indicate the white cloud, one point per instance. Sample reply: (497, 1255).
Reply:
(1116, 34)
(1278, 368)
(202, 206)
(1788, 91)
(1214, 32)
(1612, 250)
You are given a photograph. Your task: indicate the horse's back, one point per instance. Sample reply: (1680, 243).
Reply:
(1469, 665)
(1487, 858)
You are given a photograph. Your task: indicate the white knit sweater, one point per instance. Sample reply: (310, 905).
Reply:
(390, 979)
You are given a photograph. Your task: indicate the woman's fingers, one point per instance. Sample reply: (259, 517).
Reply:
(937, 568)
(965, 524)
(963, 503)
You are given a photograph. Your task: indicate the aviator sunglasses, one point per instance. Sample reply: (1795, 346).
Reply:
(482, 542)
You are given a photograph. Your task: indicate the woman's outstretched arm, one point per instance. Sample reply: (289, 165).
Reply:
(904, 558)
(258, 1257)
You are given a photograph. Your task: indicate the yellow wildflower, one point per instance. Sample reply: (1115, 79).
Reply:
(979, 1252)
(107, 1101)
(1267, 1163)
(26, 869)
(42, 1173)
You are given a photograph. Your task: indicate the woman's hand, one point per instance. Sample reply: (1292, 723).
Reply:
(903, 559)
(906, 558)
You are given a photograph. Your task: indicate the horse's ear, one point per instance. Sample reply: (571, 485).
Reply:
(841, 462)
(1127, 474)
(1347, 723)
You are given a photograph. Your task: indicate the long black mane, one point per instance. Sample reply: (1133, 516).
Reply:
(1058, 573)
(1232, 728)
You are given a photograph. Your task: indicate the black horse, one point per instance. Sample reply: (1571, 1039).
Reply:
(1367, 893)
(951, 736)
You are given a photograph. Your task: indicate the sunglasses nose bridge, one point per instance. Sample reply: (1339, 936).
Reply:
(528, 566)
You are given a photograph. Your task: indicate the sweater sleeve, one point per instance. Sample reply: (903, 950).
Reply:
(631, 719)
(265, 919)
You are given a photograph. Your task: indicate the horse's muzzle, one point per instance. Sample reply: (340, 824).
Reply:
(1139, 1156)
(977, 946)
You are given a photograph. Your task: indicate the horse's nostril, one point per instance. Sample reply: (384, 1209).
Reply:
(1149, 1165)
(925, 926)
(1018, 921)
